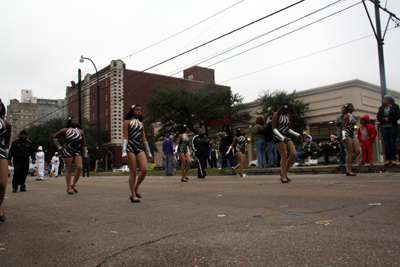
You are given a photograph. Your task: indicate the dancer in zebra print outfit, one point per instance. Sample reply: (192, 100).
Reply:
(349, 141)
(72, 152)
(285, 146)
(5, 136)
(239, 144)
(132, 150)
(182, 148)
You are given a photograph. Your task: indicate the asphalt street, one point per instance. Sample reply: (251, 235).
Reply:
(316, 220)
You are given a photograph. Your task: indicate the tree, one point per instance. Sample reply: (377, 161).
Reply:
(271, 101)
(174, 106)
(42, 135)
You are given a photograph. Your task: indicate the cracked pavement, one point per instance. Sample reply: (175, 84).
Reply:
(177, 224)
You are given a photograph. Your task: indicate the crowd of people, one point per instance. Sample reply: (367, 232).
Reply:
(269, 137)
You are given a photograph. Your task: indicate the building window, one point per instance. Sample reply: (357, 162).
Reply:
(93, 116)
(92, 102)
(106, 126)
(106, 111)
(105, 97)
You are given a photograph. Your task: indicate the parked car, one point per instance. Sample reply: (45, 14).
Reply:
(253, 163)
(124, 168)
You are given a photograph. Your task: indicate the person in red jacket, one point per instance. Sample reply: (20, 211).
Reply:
(366, 135)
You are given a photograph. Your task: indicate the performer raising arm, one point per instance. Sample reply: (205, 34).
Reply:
(72, 151)
(280, 126)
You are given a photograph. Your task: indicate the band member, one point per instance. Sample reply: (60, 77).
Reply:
(239, 144)
(20, 151)
(349, 140)
(5, 136)
(285, 146)
(55, 165)
(40, 163)
(72, 152)
(133, 151)
(200, 145)
(182, 148)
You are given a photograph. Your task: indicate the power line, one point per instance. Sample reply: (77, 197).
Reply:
(173, 35)
(274, 39)
(255, 38)
(308, 55)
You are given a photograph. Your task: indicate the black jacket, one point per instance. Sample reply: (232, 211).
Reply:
(21, 149)
(268, 132)
(394, 114)
(200, 144)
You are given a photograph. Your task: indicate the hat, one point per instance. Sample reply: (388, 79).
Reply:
(389, 97)
(56, 153)
(40, 148)
(334, 136)
(167, 135)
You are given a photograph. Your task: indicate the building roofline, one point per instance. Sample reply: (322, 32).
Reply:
(345, 85)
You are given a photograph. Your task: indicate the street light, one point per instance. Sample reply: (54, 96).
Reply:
(81, 60)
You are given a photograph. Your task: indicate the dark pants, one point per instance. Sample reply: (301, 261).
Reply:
(229, 157)
(169, 164)
(213, 163)
(85, 167)
(202, 159)
(389, 138)
(326, 150)
(342, 153)
(21, 169)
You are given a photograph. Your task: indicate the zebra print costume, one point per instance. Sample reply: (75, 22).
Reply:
(72, 145)
(3, 149)
(283, 128)
(135, 132)
(350, 126)
(184, 144)
(240, 144)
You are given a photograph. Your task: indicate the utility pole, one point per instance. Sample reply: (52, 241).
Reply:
(380, 39)
(79, 98)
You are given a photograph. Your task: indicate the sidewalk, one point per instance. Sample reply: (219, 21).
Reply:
(322, 169)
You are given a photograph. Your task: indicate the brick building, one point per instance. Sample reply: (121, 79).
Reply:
(119, 89)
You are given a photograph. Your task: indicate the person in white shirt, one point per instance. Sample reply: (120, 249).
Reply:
(55, 164)
(40, 163)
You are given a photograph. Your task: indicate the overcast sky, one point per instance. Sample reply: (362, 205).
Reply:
(42, 41)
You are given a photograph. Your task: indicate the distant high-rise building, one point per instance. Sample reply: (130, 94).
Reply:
(31, 111)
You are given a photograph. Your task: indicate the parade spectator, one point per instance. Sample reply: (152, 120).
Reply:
(306, 149)
(213, 157)
(168, 149)
(225, 142)
(331, 145)
(86, 166)
(271, 148)
(260, 141)
(388, 115)
(366, 135)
